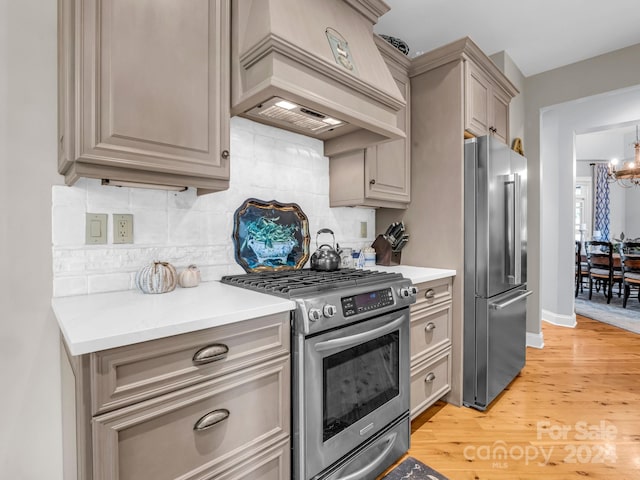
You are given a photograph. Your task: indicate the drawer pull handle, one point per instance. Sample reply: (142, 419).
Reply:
(430, 327)
(430, 377)
(429, 294)
(210, 353)
(211, 419)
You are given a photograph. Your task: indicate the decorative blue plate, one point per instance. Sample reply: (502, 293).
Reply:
(269, 236)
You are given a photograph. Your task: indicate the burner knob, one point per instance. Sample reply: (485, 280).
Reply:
(315, 314)
(407, 292)
(329, 310)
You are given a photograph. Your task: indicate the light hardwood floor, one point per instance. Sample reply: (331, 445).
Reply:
(573, 412)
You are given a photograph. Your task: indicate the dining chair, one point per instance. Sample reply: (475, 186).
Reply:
(630, 261)
(600, 260)
(581, 267)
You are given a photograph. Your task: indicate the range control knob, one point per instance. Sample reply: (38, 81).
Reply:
(315, 314)
(407, 292)
(329, 310)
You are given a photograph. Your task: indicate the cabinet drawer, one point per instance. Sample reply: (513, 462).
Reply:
(432, 293)
(272, 464)
(158, 439)
(126, 375)
(430, 381)
(430, 331)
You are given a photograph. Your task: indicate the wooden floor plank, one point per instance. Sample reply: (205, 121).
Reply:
(573, 413)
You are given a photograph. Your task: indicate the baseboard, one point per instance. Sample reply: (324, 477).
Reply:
(558, 319)
(535, 340)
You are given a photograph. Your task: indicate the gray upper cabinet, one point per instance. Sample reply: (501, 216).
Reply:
(378, 176)
(144, 92)
(486, 104)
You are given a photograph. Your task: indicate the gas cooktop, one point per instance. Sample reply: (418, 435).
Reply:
(299, 283)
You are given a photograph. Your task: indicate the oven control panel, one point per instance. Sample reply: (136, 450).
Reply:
(366, 302)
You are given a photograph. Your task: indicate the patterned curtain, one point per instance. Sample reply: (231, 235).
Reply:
(601, 201)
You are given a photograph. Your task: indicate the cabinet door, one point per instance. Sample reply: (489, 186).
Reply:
(477, 100)
(152, 81)
(388, 164)
(500, 115)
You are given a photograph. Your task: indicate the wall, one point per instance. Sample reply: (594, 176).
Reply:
(182, 228)
(30, 444)
(600, 74)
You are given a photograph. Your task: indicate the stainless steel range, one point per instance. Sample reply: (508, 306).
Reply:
(350, 364)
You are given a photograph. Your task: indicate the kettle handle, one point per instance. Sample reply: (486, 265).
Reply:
(326, 230)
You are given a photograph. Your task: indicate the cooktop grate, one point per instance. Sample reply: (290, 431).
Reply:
(298, 283)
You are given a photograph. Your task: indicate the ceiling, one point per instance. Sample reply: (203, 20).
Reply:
(538, 35)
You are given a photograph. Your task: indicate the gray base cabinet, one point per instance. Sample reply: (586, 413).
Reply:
(430, 344)
(213, 404)
(143, 92)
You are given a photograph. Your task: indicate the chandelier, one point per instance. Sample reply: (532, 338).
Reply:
(629, 174)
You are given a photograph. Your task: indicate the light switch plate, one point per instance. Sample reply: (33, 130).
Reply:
(122, 228)
(96, 228)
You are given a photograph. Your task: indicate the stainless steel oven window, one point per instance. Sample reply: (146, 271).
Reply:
(358, 380)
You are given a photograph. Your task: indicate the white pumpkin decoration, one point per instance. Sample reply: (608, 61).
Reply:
(189, 277)
(158, 277)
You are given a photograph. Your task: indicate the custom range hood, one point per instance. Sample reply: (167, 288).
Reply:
(312, 67)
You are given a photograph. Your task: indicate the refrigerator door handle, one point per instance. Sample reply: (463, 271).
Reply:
(511, 301)
(512, 219)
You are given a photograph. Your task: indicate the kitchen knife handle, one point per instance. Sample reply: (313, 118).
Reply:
(210, 353)
(210, 419)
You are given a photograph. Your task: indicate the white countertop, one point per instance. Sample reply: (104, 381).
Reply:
(96, 322)
(417, 274)
(100, 321)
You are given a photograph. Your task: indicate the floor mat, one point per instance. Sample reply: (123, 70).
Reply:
(613, 313)
(412, 469)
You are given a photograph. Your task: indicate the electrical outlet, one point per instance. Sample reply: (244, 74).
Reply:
(96, 228)
(122, 228)
(363, 229)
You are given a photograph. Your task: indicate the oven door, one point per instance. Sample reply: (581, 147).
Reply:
(356, 382)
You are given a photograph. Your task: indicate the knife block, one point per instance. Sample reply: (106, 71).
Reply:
(384, 254)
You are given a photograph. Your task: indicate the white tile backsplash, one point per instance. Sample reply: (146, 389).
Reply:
(182, 228)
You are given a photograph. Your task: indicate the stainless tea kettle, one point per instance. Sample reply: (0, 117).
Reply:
(325, 258)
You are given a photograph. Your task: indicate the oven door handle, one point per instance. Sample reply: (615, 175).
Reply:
(360, 337)
(390, 440)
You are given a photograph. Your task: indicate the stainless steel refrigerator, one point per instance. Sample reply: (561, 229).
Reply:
(495, 273)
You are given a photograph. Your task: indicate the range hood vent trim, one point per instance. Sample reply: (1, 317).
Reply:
(273, 43)
(280, 48)
(371, 9)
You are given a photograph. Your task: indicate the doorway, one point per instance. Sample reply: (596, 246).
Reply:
(583, 208)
